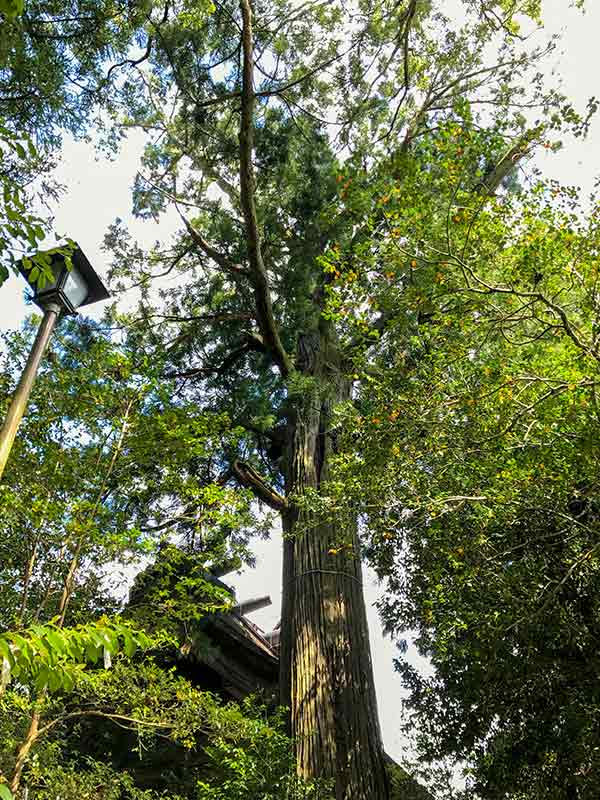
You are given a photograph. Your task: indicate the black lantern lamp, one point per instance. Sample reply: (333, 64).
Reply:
(71, 288)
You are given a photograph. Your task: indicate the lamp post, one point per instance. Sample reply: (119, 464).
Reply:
(69, 290)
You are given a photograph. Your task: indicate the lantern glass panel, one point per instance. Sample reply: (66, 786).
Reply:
(75, 288)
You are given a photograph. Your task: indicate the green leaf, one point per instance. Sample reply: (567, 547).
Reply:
(12, 8)
(56, 642)
(5, 650)
(129, 645)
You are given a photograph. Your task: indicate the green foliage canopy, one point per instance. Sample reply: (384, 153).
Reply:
(471, 452)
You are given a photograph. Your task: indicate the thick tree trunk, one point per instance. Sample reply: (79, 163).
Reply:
(326, 672)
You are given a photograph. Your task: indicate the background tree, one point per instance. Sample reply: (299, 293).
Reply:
(86, 485)
(106, 468)
(472, 456)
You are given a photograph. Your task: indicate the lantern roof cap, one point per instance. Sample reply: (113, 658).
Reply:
(96, 289)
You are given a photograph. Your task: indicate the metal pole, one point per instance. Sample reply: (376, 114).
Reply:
(21, 396)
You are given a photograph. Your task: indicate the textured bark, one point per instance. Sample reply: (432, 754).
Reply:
(326, 673)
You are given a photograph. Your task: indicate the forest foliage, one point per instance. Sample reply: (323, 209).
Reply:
(366, 255)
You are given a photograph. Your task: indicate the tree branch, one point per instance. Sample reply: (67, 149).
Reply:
(132, 62)
(494, 177)
(277, 90)
(250, 478)
(227, 188)
(262, 295)
(436, 93)
(212, 252)
(105, 715)
(147, 276)
(251, 342)
(403, 41)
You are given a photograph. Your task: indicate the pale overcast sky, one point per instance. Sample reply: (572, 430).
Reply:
(99, 191)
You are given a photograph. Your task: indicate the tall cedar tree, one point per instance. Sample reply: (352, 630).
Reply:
(259, 114)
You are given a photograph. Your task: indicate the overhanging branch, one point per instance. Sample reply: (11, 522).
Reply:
(251, 479)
